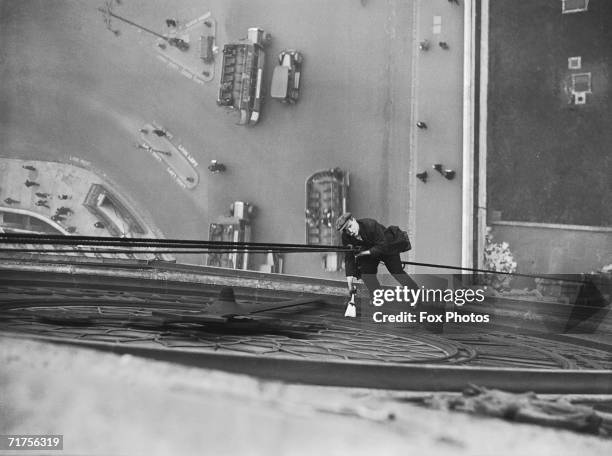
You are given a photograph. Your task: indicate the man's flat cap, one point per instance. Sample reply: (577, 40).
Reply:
(343, 220)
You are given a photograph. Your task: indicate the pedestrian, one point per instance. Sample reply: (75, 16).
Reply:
(71, 229)
(57, 218)
(424, 45)
(171, 23)
(190, 179)
(443, 44)
(10, 201)
(375, 243)
(29, 183)
(42, 203)
(29, 167)
(42, 195)
(422, 125)
(64, 197)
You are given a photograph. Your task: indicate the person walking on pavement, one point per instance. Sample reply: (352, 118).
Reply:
(57, 218)
(421, 125)
(375, 243)
(29, 167)
(11, 201)
(42, 195)
(29, 183)
(42, 203)
(443, 45)
(64, 197)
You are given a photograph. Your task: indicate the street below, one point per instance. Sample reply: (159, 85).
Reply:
(72, 88)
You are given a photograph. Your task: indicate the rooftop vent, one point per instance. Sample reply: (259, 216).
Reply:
(574, 6)
(574, 63)
(581, 82)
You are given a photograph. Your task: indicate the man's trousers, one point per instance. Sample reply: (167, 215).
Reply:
(368, 267)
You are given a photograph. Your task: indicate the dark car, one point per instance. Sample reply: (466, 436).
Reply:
(286, 76)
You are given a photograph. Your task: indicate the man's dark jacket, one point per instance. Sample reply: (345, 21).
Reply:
(380, 241)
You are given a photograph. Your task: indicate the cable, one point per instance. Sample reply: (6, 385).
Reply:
(171, 243)
(181, 246)
(191, 251)
(487, 271)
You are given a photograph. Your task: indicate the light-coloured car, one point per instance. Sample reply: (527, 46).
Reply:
(286, 76)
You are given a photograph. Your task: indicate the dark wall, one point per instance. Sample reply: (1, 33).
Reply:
(549, 160)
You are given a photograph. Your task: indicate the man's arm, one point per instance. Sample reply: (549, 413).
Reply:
(376, 235)
(350, 282)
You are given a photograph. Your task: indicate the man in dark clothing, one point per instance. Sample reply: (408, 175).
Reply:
(376, 244)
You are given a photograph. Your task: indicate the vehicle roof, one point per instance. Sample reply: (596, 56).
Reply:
(280, 79)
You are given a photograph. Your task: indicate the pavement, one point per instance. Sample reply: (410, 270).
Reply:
(438, 85)
(53, 181)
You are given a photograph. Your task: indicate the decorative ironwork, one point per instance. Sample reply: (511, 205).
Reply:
(314, 332)
(261, 337)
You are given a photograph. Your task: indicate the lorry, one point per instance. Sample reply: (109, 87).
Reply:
(233, 228)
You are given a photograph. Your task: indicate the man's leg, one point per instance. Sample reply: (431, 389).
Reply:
(394, 266)
(368, 267)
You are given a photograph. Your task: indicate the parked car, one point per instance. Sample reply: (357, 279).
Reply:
(207, 44)
(286, 76)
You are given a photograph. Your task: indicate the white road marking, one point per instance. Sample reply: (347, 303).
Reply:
(437, 25)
